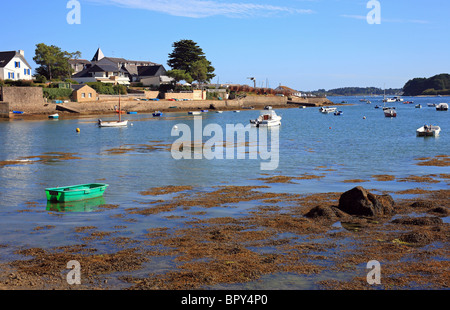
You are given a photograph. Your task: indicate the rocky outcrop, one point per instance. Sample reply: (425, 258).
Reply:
(360, 202)
(325, 212)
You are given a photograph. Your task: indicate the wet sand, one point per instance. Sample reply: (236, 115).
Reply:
(282, 234)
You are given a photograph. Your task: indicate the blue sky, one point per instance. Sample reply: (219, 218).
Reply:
(303, 44)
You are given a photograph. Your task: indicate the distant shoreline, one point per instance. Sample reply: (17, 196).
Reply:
(109, 107)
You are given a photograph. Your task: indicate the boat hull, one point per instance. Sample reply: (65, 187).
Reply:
(75, 192)
(113, 124)
(432, 131)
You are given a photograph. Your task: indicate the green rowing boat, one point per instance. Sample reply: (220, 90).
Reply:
(75, 192)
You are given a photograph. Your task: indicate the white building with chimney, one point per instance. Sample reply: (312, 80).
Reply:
(14, 66)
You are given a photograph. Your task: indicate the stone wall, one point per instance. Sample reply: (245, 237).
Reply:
(27, 99)
(4, 109)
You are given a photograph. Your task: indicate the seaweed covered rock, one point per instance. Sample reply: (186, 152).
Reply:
(324, 212)
(419, 221)
(358, 201)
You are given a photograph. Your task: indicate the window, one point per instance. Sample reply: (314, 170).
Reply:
(29, 72)
(83, 95)
(90, 95)
(11, 75)
(17, 64)
(24, 71)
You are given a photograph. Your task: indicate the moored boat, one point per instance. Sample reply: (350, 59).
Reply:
(327, 110)
(390, 112)
(75, 192)
(442, 107)
(338, 113)
(194, 112)
(157, 113)
(54, 116)
(267, 119)
(112, 123)
(418, 106)
(428, 131)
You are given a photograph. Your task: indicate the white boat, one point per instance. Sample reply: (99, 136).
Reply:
(54, 116)
(398, 99)
(418, 106)
(112, 123)
(389, 100)
(327, 110)
(390, 112)
(194, 112)
(219, 111)
(268, 118)
(267, 107)
(338, 113)
(118, 123)
(428, 131)
(442, 107)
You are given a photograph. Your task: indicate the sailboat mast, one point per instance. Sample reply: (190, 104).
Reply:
(120, 110)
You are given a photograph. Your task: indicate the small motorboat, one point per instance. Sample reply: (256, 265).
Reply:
(377, 107)
(390, 112)
(131, 112)
(194, 112)
(428, 131)
(338, 113)
(157, 113)
(236, 111)
(54, 116)
(112, 123)
(389, 100)
(431, 105)
(204, 111)
(17, 112)
(75, 192)
(327, 110)
(442, 107)
(219, 111)
(267, 107)
(418, 106)
(267, 119)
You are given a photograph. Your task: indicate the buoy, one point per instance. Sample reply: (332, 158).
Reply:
(175, 127)
(364, 117)
(329, 127)
(78, 129)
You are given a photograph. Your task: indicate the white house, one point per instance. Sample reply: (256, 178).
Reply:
(14, 66)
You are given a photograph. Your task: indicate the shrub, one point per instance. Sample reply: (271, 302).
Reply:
(57, 93)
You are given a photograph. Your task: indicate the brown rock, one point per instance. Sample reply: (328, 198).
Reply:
(358, 201)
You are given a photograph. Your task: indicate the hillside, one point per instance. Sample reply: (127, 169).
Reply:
(435, 85)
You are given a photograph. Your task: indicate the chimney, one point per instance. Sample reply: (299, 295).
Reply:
(21, 52)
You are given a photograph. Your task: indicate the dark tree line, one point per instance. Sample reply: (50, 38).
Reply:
(435, 85)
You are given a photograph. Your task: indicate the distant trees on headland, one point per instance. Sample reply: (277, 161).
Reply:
(357, 91)
(435, 85)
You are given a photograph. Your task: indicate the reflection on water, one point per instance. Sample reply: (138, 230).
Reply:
(88, 205)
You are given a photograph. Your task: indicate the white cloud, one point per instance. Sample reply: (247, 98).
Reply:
(204, 8)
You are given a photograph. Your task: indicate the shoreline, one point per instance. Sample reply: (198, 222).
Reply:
(106, 107)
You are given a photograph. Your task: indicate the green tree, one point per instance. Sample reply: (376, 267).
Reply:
(180, 75)
(189, 57)
(54, 62)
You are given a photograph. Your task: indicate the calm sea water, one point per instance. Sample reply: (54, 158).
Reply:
(339, 147)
